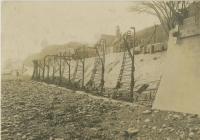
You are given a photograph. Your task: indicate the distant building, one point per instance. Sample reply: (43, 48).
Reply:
(113, 42)
(156, 47)
(109, 40)
(87, 51)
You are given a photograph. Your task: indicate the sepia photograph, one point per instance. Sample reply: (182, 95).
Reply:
(100, 70)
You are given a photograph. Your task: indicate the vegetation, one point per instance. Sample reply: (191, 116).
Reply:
(165, 11)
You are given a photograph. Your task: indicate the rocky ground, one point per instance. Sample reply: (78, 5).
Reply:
(37, 111)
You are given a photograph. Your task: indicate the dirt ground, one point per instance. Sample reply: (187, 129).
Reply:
(37, 111)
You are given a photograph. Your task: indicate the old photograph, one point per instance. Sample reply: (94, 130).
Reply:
(100, 70)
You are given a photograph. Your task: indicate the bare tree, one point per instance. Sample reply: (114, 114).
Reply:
(80, 55)
(100, 49)
(166, 11)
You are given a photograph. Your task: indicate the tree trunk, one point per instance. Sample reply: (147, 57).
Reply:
(48, 72)
(83, 73)
(69, 66)
(39, 71)
(44, 65)
(60, 70)
(53, 74)
(102, 78)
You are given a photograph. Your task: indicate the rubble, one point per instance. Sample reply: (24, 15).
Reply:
(34, 111)
(146, 112)
(147, 120)
(131, 132)
(191, 134)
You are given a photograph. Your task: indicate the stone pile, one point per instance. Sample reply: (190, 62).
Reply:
(37, 111)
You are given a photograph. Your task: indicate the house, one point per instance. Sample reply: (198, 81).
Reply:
(156, 47)
(113, 42)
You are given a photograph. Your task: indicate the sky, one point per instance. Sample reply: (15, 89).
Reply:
(27, 27)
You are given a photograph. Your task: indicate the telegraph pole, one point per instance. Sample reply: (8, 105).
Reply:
(103, 47)
(133, 65)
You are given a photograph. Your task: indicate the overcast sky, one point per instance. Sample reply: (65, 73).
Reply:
(29, 26)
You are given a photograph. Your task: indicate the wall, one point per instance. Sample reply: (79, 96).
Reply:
(179, 88)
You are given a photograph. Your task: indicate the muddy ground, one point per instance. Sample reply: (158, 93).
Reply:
(37, 111)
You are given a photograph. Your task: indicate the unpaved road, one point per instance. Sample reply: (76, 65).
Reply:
(37, 111)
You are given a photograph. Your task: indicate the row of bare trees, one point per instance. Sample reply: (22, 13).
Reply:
(42, 67)
(166, 11)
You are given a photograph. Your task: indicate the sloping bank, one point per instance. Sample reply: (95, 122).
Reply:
(148, 67)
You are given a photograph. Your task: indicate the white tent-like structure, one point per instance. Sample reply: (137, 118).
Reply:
(179, 89)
